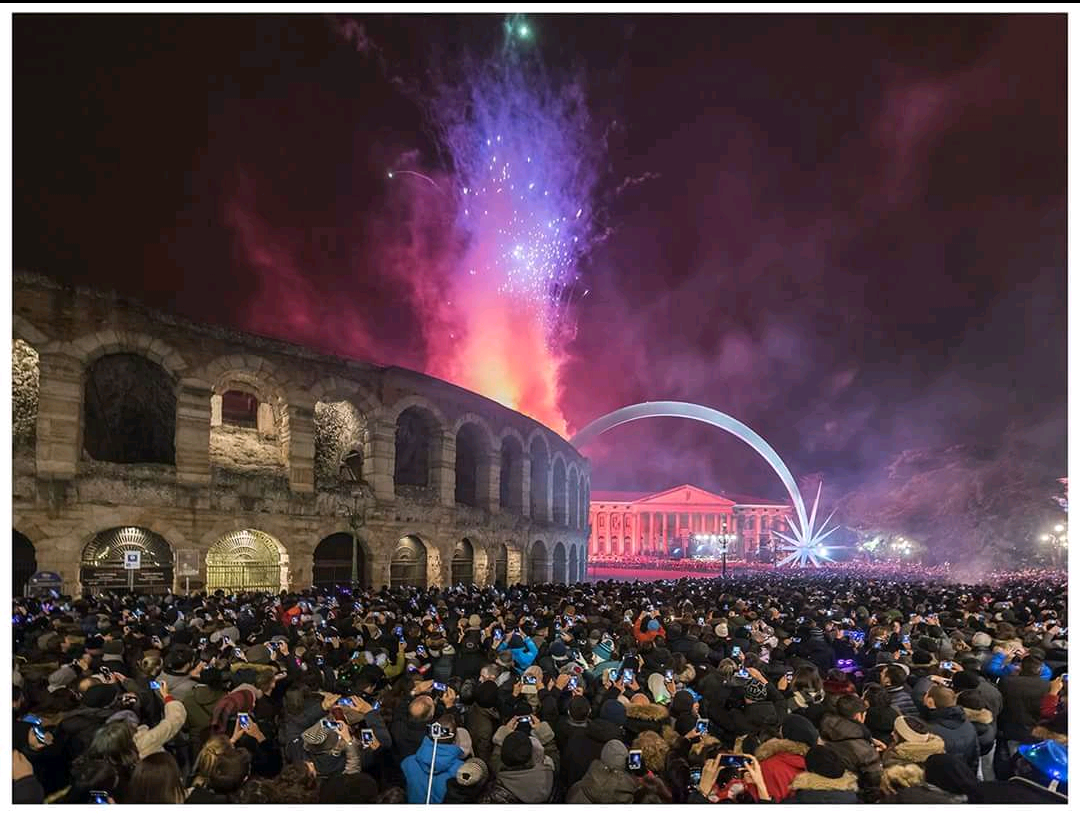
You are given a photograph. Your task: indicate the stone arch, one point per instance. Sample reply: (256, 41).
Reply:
(91, 347)
(101, 564)
(332, 561)
(539, 563)
(344, 416)
(262, 443)
(23, 562)
(24, 329)
(539, 478)
(558, 563)
(558, 489)
(129, 410)
(462, 563)
(419, 429)
(410, 563)
(472, 453)
(247, 559)
(583, 503)
(511, 472)
(572, 564)
(572, 494)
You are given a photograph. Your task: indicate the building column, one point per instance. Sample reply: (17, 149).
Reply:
(192, 438)
(663, 534)
(442, 475)
(526, 489)
(60, 416)
(636, 538)
(488, 485)
(380, 452)
(301, 446)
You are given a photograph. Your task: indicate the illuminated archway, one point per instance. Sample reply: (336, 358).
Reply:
(805, 542)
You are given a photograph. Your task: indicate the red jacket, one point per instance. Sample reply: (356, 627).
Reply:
(648, 635)
(781, 760)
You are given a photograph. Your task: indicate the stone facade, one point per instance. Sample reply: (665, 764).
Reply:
(262, 477)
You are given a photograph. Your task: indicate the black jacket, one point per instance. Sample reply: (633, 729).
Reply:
(953, 727)
(1020, 709)
(584, 747)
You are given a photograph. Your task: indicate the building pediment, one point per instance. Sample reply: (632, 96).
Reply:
(686, 495)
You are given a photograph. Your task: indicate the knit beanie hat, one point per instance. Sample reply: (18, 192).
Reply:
(685, 723)
(99, 696)
(613, 755)
(613, 712)
(682, 702)
(798, 728)
(652, 625)
(981, 639)
(822, 760)
(754, 690)
(487, 694)
(965, 680)
(473, 772)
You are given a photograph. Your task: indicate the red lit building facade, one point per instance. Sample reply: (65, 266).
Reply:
(639, 523)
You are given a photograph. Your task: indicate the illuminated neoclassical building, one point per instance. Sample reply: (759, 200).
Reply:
(660, 524)
(233, 461)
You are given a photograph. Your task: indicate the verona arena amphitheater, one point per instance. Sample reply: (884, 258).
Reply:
(230, 460)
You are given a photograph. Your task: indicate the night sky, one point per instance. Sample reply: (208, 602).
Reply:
(848, 232)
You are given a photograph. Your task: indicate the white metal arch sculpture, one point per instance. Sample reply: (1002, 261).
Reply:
(804, 544)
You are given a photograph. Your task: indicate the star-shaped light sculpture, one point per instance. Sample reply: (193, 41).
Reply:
(805, 546)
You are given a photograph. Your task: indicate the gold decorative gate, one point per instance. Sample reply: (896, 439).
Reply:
(245, 560)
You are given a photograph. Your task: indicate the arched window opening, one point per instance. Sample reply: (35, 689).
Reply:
(339, 442)
(240, 409)
(25, 383)
(558, 563)
(130, 411)
(501, 559)
(469, 457)
(558, 500)
(538, 563)
(413, 447)
(24, 562)
(538, 480)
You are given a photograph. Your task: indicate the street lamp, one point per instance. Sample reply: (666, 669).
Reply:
(1059, 540)
(356, 514)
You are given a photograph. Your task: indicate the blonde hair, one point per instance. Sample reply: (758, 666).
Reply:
(150, 665)
(654, 750)
(215, 747)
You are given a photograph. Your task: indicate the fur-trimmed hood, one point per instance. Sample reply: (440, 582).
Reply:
(978, 716)
(815, 782)
(778, 746)
(648, 712)
(911, 752)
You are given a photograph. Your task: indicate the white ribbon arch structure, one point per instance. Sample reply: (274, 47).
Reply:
(804, 544)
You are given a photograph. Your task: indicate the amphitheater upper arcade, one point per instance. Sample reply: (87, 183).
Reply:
(193, 433)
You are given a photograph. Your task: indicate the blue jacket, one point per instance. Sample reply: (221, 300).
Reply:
(523, 656)
(998, 667)
(448, 759)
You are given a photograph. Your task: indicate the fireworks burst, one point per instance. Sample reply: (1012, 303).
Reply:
(806, 544)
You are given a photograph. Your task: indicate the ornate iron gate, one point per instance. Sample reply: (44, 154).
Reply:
(245, 560)
(409, 564)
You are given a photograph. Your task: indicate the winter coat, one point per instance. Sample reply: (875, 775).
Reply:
(148, 741)
(781, 760)
(603, 785)
(818, 652)
(851, 740)
(1000, 667)
(815, 789)
(901, 698)
(448, 759)
(910, 752)
(523, 656)
(985, 728)
(1014, 790)
(542, 740)
(482, 724)
(565, 729)
(1021, 696)
(530, 784)
(950, 724)
(584, 747)
(924, 795)
(644, 718)
(468, 665)
(200, 704)
(407, 733)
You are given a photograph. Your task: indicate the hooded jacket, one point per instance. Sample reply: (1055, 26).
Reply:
(200, 704)
(482, 724)
(958, 733)
(529, 784)
(1022, 696)
(417, 769)
(911, 752)
(602, 784)
(781, 760)
(645, 718)
(524, 656)
(816, 789)
(851, 740)
(901, 698)
(985, 728)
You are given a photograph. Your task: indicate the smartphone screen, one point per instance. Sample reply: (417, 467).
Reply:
(633, 760)
(367, 737)
(155, 685)
(244, 720)
(702, 725)
(628, 675)
(440, 687)
(613, 673)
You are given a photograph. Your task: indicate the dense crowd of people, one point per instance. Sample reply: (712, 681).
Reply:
(791, 687)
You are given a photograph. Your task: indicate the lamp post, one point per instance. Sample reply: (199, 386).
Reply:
(357, 517)
(725, 541)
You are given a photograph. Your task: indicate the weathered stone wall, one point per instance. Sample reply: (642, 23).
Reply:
(227, 478)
